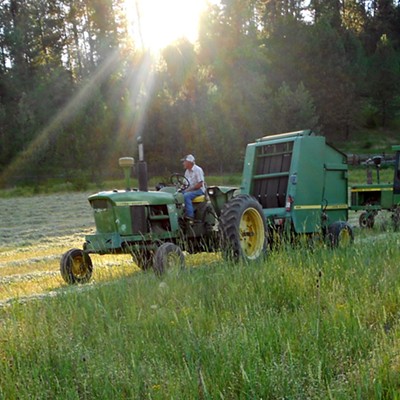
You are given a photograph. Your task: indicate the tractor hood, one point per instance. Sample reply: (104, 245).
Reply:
(127, 198)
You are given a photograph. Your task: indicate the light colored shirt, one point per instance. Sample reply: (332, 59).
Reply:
(195, 176)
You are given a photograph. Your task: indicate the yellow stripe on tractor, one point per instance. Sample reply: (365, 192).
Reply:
(317, 207)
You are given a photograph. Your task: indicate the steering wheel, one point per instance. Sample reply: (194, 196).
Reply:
(180, 181)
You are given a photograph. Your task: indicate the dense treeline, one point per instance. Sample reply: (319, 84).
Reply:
(76, 91)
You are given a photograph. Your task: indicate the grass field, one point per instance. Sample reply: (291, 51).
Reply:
(305, 324)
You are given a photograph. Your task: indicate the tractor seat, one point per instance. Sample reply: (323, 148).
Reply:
(199, 199)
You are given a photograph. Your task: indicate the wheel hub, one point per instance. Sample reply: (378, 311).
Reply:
(251, 224)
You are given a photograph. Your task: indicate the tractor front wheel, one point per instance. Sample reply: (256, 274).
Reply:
(243, 229)
(76, 266)
(168, 257)
(340, 234)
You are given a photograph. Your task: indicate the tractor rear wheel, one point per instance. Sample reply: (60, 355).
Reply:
(168, 257)
(340, 234)
(76, 266)
(366, 220)
(243, 229)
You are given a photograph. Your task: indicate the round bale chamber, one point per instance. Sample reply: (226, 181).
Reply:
(299, 180)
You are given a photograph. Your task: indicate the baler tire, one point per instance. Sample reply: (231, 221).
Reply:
(340, 234)
(76, 267)
(167, 257)
(243, 229)
(366, 220)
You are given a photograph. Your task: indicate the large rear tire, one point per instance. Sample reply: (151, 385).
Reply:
(168, 257)
(243, 229)
(76, 266)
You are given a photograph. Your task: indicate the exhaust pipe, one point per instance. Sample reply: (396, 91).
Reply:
(142, 168)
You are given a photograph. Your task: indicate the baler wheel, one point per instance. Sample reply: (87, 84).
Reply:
(76, 266)
(168, 257)
(366, 220)
(243, 229)
(340, 234)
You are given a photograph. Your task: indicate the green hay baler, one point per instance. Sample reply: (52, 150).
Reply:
(301, 183)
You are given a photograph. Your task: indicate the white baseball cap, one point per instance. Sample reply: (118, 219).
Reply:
(189, 158)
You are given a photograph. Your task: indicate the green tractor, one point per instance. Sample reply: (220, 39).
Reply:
(371, 198)
(292, 184)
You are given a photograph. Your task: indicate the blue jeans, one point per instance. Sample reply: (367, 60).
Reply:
(189, 196)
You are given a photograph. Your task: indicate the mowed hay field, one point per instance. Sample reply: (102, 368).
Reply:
(35, 232)
(306, 323)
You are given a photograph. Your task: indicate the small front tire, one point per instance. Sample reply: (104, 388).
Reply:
(168, 257)
(76, 266)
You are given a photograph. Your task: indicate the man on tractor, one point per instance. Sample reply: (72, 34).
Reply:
(195, 176)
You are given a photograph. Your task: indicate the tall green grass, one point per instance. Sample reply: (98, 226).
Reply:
(358, 175)
(369, 141)
(313, 324)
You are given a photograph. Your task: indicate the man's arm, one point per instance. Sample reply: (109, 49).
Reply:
(197, 186)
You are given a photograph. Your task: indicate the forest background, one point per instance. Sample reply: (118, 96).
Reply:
(76, 90)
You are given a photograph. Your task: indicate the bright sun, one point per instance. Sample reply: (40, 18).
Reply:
(156, 23)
